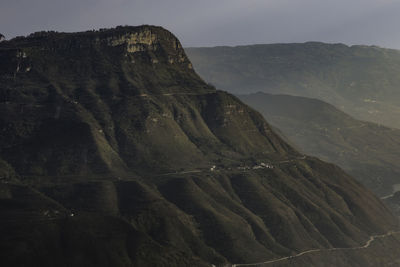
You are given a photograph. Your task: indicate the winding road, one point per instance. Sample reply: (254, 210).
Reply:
(245, 168)
(367, 244)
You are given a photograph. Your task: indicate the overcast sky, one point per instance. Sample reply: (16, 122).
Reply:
(217, 22)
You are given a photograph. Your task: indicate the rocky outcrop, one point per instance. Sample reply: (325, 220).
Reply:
(147, 165)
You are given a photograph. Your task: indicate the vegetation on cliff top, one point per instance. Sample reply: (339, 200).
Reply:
(124, 156)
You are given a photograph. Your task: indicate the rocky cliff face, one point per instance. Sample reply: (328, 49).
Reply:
(126, 97)
(117, 153)
(147, 44)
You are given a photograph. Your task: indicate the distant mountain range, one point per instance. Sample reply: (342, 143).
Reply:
(114, 152)
(368, 151)
(363, 81)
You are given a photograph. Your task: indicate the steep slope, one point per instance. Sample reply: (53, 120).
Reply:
(368, 151)
(118, 154)
(129, 97)
(362, 81)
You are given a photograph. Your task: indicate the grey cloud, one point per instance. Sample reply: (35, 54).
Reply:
(216, 22)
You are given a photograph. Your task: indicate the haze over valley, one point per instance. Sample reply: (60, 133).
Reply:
(120, 147)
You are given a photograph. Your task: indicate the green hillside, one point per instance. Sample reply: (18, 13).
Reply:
(363, 81)
(115, 153)
(370, 152)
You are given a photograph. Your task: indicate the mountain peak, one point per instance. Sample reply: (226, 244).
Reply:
(149, 44)
(105, 136)
(124, 50)
(146, 34)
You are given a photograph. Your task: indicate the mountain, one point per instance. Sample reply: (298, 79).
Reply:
(368, 151)
(114, 152)
(362, 81)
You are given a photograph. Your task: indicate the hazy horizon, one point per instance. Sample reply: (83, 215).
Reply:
(223, 23)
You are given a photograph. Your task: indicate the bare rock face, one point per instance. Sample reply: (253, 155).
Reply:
(2, 38)
(111, 136)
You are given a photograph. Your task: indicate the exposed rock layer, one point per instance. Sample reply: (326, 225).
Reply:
(124, 156)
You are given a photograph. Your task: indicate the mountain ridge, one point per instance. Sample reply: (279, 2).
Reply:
(364, 149)
(346, 76)
(295, 43)
(123, 157)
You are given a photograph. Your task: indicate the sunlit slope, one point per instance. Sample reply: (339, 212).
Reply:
(366, 150)
(118, 154)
